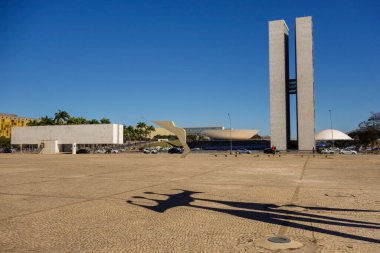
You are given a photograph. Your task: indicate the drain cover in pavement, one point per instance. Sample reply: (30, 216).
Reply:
(279, 239)
(339, 195)
(277, 243)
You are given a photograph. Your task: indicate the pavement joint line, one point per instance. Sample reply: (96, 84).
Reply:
(284, 186)
(283, 228)
(43, 196)
(49, 169)
(45, 181)
(107, 196)
(64, 178)
(170, 181)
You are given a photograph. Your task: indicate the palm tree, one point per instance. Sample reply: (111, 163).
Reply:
(149, 130)
(141, 124)
(61, 117)
(105, 121)
(77, 121)
(46, 121)
(140, 129)
(81, 120)
(72, 121)
(93, 121)
(33, 122)
(130, 133)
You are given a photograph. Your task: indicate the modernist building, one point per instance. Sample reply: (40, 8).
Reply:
(51, 139)
(282, 86)
(7, 121)
(200, 130)
(189, 130)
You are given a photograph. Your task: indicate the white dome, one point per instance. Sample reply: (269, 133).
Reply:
(328, 135)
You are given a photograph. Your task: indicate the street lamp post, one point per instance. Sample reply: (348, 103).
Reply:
(331, 126)
(229, 117)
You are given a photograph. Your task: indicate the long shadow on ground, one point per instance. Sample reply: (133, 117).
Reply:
(268, 213)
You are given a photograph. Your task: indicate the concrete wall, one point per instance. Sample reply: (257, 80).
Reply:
(305, 83)
(50, 147)
(68, 134)
(278, 78)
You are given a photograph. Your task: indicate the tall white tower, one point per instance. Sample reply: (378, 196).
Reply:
(281, 86)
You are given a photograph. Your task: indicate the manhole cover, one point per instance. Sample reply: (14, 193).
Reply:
(339, 195)
(277, 243)
(279, 239)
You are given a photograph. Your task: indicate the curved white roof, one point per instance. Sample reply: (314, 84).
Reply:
(236, 134)
(328, 135)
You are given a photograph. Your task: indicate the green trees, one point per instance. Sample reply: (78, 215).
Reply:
(365, 136)
(64, 118)
(61, 117)
(76, 121)
(143, 130)
(130, 134)
(105, 121)
(140, 132)
(368, 132)
(44, 121)
(93, 121)
(5, 142)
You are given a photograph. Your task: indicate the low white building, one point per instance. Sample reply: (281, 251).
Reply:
(50, 137)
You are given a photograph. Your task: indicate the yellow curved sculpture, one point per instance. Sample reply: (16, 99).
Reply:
(179, 132)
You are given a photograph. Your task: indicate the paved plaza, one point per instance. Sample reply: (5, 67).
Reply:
(203, 203)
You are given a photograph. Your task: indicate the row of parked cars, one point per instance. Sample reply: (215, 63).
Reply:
(100, 151)
(343, 151)
(156, 150)
(8, 150)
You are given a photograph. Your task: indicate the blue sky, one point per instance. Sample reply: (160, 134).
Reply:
(187, 61)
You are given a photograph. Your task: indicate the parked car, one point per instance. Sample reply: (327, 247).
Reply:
(100, 151)
(352, 148)
(348, 152)
(327, 151)
(9, 150)
(243, 151)
(269, 151)
(150, 151)
(112, 151)
(175, 151)
(83, 151)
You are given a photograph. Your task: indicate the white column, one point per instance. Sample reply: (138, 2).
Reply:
(74, 149)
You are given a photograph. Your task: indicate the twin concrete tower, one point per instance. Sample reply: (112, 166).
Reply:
(281, 86)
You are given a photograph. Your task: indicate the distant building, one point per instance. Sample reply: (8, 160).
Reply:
(53, 139)
(189, 131)
(230, 134)
(7, 121)
(212, 132)
(200, 130)
(331, 135)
